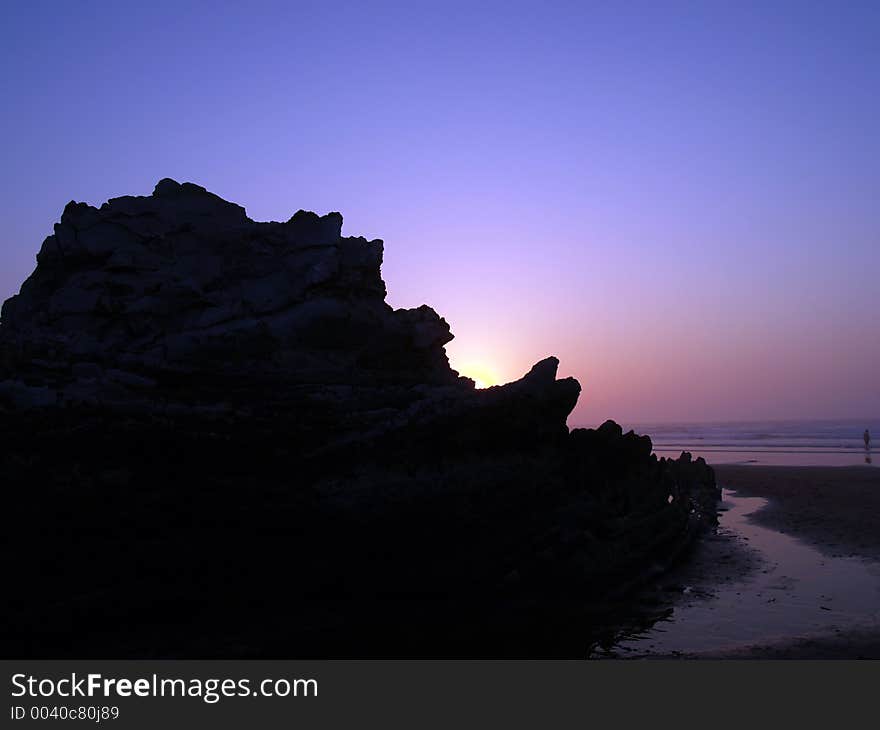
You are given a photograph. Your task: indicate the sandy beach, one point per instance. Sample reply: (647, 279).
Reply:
(792, 572)
(834, 509)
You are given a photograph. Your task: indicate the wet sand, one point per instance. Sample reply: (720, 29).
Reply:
(834, 509)
(792, 573)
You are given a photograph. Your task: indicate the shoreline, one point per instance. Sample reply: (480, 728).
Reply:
(832, 511)
(835, 509)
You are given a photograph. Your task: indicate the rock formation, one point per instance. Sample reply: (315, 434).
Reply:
(221, 423)
(184, 282)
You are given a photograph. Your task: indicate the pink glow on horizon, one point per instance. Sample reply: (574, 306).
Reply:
(678, 203)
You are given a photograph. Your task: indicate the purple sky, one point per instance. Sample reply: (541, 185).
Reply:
(680, 201)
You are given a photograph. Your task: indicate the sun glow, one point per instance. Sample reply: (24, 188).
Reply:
(482, 376)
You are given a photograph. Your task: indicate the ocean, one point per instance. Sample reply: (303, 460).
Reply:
(802, 443)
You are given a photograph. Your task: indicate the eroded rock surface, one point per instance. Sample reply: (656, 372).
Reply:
(183, 281)
(219, 440)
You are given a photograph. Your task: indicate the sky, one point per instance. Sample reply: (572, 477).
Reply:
(678, 200)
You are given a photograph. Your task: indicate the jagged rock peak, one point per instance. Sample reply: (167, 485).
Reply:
(320, 229)
(542, 372)
(183, 280)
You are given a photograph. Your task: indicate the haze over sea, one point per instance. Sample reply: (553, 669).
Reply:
(796, 443)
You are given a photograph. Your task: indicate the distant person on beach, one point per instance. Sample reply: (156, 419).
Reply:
(867, 438)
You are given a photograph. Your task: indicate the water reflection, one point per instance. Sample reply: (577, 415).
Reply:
(798, 593)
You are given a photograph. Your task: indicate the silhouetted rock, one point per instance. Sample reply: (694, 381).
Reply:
(184, 282)
(221, 424)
